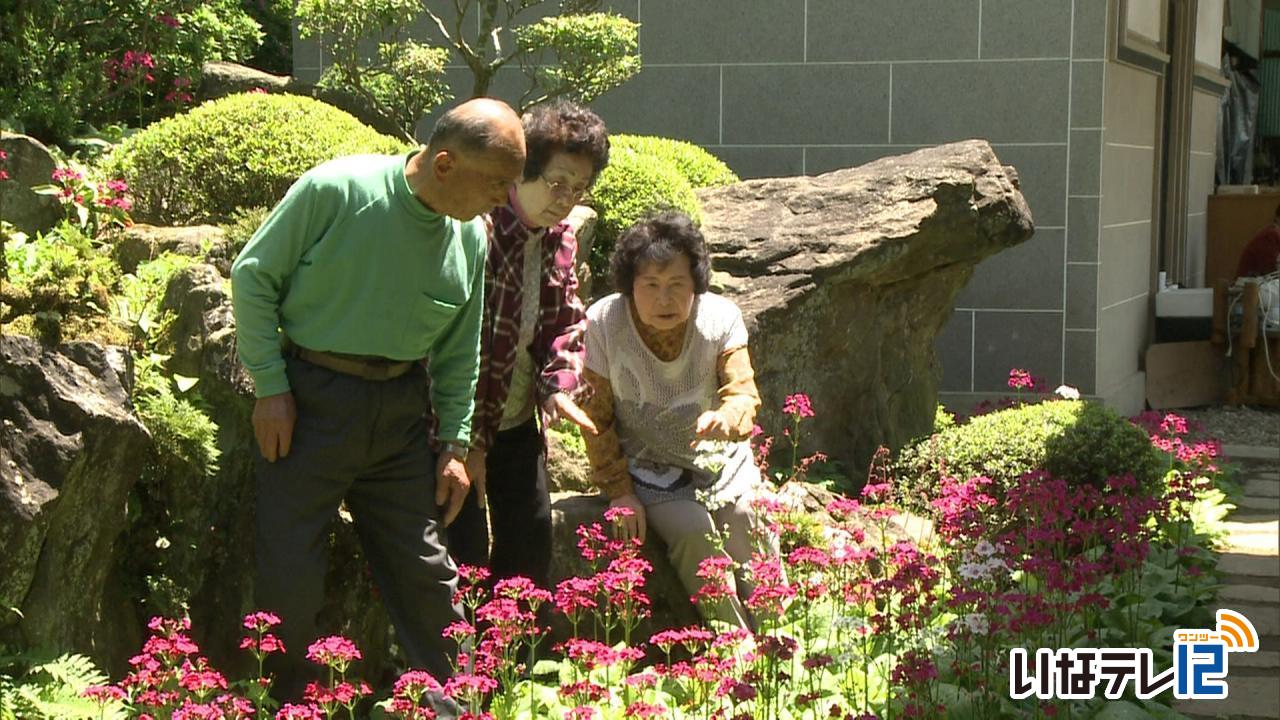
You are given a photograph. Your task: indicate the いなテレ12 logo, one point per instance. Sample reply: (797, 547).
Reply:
(1199, 669)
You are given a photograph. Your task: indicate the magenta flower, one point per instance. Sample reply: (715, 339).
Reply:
(300, 712)
(797, 406)
(335, 651)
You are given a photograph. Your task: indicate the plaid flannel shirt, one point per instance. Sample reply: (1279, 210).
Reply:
(557, 347)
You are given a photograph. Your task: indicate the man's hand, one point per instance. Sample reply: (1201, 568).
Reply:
(712, 426)
(451, 485)
(273, 420)
(476, 471)
(560, 405)
(633, 525)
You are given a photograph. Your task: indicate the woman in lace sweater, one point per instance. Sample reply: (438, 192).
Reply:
(668, 366)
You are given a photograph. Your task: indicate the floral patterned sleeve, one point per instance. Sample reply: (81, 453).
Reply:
(739, 398)
(604, 451)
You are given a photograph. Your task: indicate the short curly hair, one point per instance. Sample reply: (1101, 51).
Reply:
(657, 239)
(563, 126)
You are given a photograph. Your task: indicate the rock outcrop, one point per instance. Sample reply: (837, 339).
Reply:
(71, 452)
(29, 164)
(845, 278)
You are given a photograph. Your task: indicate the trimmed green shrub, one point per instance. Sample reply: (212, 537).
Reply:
(241, 151)
(699, 167)
(1080, 442)
(633, 186)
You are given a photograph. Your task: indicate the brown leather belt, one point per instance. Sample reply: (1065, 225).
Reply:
(368, 367)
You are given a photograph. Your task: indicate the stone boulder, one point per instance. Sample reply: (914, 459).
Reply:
(71, 451)
(846, 278)
(29, 164)
(140, 243)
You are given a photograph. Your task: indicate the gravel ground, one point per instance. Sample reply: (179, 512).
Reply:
(1238, 425)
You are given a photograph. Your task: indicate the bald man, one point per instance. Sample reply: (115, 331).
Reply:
(369, 265)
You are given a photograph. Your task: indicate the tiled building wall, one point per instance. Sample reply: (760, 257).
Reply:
(1125, 248)
(783, 87)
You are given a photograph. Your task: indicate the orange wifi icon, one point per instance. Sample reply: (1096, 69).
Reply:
(1237, 632)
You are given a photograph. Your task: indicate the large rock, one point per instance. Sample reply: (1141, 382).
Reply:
(846, 278)
(140, 243)
(70, 454)
(29, 165)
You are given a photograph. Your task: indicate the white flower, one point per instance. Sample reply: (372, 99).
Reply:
(1066, 392)
(711, 455)
(973, 571)
(837, 538)
(993, 564)
(984, 548)
(977, 623)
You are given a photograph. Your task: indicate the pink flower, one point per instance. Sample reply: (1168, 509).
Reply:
(616, 513)
(414, 684)
(300, 712)
(645, 710)
(797, 406)
(334, 651)
(1019, 379)
(104, 694)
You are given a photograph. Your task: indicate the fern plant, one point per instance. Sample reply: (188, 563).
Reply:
(35, 687)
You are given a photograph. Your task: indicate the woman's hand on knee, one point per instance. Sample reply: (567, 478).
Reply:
(629, 526)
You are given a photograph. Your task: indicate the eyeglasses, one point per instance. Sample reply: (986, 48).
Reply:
(562, 190)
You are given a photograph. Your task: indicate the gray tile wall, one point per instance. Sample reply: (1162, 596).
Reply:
(786, 87)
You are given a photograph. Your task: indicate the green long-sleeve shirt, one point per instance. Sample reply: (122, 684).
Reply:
(351, 261)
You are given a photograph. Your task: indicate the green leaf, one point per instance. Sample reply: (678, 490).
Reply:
(184, 383)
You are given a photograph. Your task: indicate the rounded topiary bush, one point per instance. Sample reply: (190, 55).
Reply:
(241, 151)
(1080, 442)
(633, 186)
(699, 167)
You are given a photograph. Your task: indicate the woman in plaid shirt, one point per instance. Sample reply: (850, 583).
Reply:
(531, 347)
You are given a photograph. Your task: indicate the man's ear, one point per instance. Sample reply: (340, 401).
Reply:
(443, 163)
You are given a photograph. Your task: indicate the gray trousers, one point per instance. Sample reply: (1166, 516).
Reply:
(364, 442)
(687, 528)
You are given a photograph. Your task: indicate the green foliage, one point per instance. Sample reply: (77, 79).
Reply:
(275, 55)
(942, 419)
(699, 167)
(180, 429)
(39, 688)
(407, 78)
(60, 280)
(136, 305)
(240, 151)
(569, 436)
(1080, 442)
(62, 64)
(591, 54)
(242, 225)
(632, 186)
(577, 52)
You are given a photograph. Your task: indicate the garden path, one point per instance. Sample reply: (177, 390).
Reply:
(1249, 569)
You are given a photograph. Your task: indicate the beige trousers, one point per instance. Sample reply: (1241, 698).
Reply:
(688, 529)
